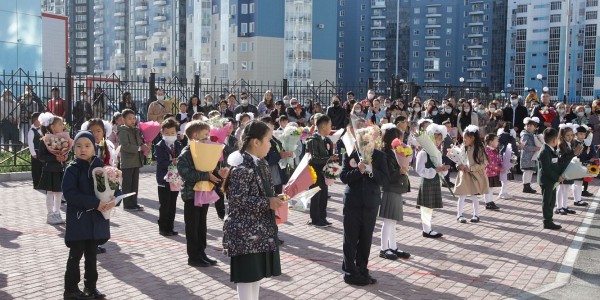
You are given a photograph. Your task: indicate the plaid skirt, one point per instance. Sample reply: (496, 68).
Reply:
(430, 193)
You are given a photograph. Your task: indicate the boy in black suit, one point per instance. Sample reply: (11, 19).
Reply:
(362, 198)
(550, 168)
(320, 148)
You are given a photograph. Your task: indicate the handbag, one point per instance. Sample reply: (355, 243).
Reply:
(404, 183)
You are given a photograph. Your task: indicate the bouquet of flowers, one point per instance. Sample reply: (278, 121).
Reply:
(303, 177)
(509, 160)
(206, 156)
(219, 128)
(426, 140)
(592, 166)
(290, 137)
(58, 144)
(332, 171)
(576, 170)
(304, 133)
(548, 113)
(458, 155)
(107, 180)
(301, 201)
(403, 153)
(150, 131)
(173, 178)
(539, 142)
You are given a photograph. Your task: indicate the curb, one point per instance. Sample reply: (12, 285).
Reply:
(25, 176)
(564, 273)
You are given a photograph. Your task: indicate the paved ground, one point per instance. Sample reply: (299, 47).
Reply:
(505, 255)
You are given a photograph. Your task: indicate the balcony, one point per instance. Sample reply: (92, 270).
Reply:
(121, 67)
(469, 69)
(433, 15)
(474, 58)
(141, 35)
(160, 64)
(476, 46)
(119, 28)
(434, 25)
(377, 4)
(160, 32)
(98, 19)
(476, 12)
(160, 2)
(378, 16)
(432, 80)
(98, 6)
(98, 44)
(142, 66)
(474, 80)
(141, 51)
(160, 17)
(119, 14)
(432, 47)
(378, 49)
(98, 32)
(432, 37)
(141, 22)
(475, 24)
(377, 38)
(141, 6)
(98, 58)
(475, 35)
(119, 1)
(120, 40)
(159, 48)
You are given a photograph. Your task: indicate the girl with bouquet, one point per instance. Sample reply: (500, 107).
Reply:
(391, 199)
(529, 149)
(471, 180)
(430, 190)
(86, 226)
(586, 156)
(567, 149)
(53, 154)
(493, 169)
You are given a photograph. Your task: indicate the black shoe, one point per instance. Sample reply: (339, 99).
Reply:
(317, 224)
(475, 220)
(528, 190)
(135, 208)
(357, 279)
(94, 292)
(491, 206)
(326, 222)
(552, 226)
(581, 203)
(165, 233)
(173, 233)
(433, 236)
(418, 207)
(388, 254)
(461, 219)
(401, 254)
(371, 279)
(209, 260)
(280, 242)
(561, 211)
(79, 295)
(198, 263)
(100, 250)
(587, 194)
(570, 211)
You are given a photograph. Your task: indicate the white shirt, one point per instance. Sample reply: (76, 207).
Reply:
(30, 141)
(423, 171)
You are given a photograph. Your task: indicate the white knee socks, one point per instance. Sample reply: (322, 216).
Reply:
(388, 235)
(53, 201)
(527, 175)
(461, 205)
(426, 215)
(504, 188)
(248, 291)
(562, 195)
(577, 186)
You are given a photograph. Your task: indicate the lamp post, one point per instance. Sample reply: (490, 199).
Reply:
(540, 77)
(508, 86)
(462, 90)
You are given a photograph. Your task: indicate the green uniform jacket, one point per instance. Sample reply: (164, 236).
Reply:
(550, 166)
(130, 141)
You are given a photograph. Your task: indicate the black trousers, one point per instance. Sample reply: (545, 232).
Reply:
(85, 248)
(36, 171)
(168, 205)
(318, 203)
(220, 204)
(548, 202)
(131, 180)
(195, 229)
(359, 224)
(585, 186)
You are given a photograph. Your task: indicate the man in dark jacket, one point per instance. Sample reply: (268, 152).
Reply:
(320, 148)
(337, 114)
(515, 112)
(537, 112)
(362, 198)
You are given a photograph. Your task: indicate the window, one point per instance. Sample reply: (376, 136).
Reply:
(81, 26)
(448, 31)
(362, 38)
(244, 47)
(417, 21)
(362, 28)
(233, 9)
(448, 64)
(341, 34)
(448, 42)
(340, 75)
(80, 34)
(362, 70)
(521, 21)
(363, 17)
(82, 52)
(591, 3)
(362, 48)
(341, 45)
(415, 53)
(244, 29)
(252, 9)
(341, 23)
(416, 43)
(363, 6)
(251, 28)
(416, 32)
(449, 20)
(522, 8)
(244, 9)
(417, 10)
(554, 18)
(432, 10)
(341, 65)
(591, 15)
(341, 55)
(80, 9)
(449, 9)
(81, 44)
(342, 2)
(362, 59)
(233, 47)
(448, 53)
(555, 5)
(342, 13)
(80, 18)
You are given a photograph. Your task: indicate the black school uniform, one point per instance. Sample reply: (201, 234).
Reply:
(320, 149)
(36, 164)
(550, 168)
(52, 171)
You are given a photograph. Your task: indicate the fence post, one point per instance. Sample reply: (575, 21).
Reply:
(69, 95)
(197, 85)
(152, 88)
(284, 88)
(370, 83)
(393, 89)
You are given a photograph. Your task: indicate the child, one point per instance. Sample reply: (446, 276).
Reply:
(182, 118)
(391, 199)
(104, 147)
(320, 148)
(86, 226)
(471, 180)
(166, 153)
(116, 121)
(567, 149)
(430, 191)
(52, 169)
(251, 213)
(195, 216)
(550, 168)
(282, 121)
(587, 154)
(33, 140)
(447, 144)
(493, 169)
(506, 135)
(528, 165)
(242, 120)
(132, 157)
(361, 203)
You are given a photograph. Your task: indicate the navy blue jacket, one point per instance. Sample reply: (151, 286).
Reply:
(84, 221)
(163, 157)
(361, 190)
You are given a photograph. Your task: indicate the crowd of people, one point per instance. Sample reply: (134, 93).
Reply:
(249, 183)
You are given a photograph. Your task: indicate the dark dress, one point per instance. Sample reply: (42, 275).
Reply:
(398, 184)
(52, 171)
(430, 192)
(251, 218)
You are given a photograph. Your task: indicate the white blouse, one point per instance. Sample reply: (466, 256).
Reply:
(428, 173)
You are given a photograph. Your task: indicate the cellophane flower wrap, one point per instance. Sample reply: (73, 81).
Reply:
(58, 144)
(404, 153)
(576, 170)
(206, 156)
(548, 113)
(332, 171)
(368, 139)
(290, 139)
(539, 142)
(458, 155)
(107, 180)
(219, 128)
(427, 142)
(173, 178)
(150, 131)
(509, 160)
(305, 132)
